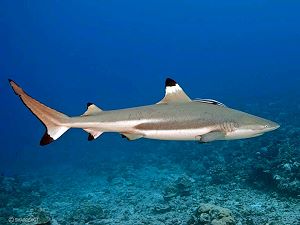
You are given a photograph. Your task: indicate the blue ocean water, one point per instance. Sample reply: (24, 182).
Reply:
(117, 54)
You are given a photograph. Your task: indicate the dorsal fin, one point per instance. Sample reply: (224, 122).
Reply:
(174, 93)
(92, 109)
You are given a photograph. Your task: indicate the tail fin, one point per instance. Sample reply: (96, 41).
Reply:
(52, 119)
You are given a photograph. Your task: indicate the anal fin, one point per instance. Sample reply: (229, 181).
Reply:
(93, 134)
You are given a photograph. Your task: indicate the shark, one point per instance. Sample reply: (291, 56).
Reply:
(175, 117)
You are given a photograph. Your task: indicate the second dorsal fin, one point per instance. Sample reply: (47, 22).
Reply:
(174, 93)
(92, 109)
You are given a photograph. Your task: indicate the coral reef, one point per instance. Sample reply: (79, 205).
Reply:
(18, 193)
(208, 214)
(181, 187)
(278, 166)
(41, 216)
(162, 208)
(86, 213)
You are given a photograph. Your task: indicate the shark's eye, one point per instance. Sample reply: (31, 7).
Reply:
(266, 126)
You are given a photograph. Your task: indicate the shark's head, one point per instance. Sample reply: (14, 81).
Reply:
(251, 126)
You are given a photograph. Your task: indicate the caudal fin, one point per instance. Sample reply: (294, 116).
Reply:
(53, 120)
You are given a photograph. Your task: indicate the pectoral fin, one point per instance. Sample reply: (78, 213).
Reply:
(211, 136)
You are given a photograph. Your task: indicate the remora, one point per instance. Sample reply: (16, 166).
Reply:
(175, 117)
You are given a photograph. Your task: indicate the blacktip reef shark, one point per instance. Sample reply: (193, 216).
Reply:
(175, 117)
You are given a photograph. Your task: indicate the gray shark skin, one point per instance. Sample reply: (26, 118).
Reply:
(175, 117)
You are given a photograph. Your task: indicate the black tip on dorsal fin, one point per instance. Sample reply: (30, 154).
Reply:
(46, 139)
(170, 82)
(89, 104)
(10, 80)
(91, 137)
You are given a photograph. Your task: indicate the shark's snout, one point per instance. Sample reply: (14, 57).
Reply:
(253, 126)
(264, 126)
(270, 126)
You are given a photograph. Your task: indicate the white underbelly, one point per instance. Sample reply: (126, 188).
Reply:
(184, 134)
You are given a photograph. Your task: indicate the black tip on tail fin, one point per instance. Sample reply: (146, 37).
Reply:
(170, 82)
(46, 139)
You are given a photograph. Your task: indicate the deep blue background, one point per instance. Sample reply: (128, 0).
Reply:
(118, 53)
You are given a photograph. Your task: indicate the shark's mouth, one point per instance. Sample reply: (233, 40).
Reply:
(246, 133)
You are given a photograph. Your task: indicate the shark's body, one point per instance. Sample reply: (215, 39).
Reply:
(175, 117)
